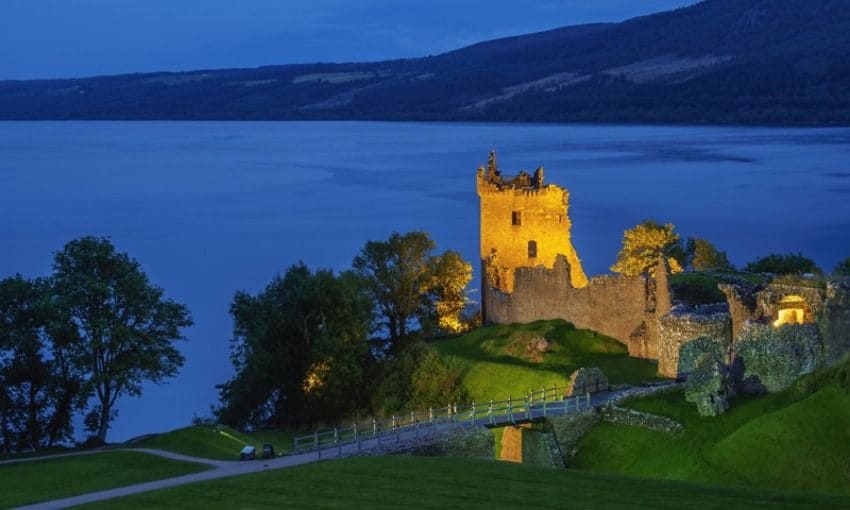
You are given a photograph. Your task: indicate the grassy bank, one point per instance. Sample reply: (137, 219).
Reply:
(799, 439)
(31, 482)
(219, 443)
(497, 361)
(410, 482)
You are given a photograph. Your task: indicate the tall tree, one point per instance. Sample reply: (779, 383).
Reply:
(397, 272)
(300, 350)
(644, 245)
(445, 291)
(704, 256)
(26, 373)
(122, 329)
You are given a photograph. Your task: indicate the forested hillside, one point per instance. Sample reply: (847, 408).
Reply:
(718, 61)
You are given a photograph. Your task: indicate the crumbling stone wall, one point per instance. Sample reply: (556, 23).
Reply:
(623, 307)
(516, 212)
(685, 325)
(834, 322)
(770, 359)
(587, 380)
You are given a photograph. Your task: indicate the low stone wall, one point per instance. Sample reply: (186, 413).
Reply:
(635, 418)
(469, 442)
(587, 380)
(685, 324)
(568, 431)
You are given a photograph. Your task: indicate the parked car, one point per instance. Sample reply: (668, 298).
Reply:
(248, 453)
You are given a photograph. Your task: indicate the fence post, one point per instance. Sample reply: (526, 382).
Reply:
(510, 410)
(356, 436)
(490, 417)
(588, 401)
(530, 397)
(317, 444)
(472, 413)
(375, 431)
(430, 414)
(528, 411)
(337, 441)
(544, 407)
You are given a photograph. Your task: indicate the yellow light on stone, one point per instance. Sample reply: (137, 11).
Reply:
(792, 311)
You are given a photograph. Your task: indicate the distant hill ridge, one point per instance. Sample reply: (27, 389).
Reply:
(718, 61)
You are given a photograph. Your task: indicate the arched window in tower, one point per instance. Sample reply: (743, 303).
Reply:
(532, 249)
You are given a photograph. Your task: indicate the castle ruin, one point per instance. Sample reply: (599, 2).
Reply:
(530, 271)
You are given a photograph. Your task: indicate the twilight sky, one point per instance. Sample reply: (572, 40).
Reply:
(72, 38)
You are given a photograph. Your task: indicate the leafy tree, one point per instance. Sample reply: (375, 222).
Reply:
(783, 264)
(644, 245)
(397, 272)
(445, 291)
(436, 382)
(300, 350)
(38, 396)
(25, 372)
(120, 328)
(408, 283)
(704, 256)
(843, 268)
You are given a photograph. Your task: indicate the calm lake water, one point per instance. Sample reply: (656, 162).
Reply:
(212, 207)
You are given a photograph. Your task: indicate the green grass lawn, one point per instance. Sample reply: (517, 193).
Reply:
(221, 443)
(438, 483)
(495, 365)
(794, 439)
(31, 482)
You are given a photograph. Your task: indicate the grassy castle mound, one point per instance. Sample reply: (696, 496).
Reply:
(500, 361)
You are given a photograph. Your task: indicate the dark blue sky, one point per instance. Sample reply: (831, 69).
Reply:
(70, 38)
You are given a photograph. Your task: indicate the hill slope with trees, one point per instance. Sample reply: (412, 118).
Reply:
(718, 61)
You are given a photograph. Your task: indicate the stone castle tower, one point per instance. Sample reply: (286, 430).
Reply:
(524, 223)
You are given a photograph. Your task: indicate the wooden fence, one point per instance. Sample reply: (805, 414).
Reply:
(535, 405)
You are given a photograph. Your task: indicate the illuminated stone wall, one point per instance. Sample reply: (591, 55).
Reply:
(519, 211)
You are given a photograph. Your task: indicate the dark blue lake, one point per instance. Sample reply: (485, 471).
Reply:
(212, 207)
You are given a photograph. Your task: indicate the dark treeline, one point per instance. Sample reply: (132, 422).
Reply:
(718, 61)
(74, 342)
(318, 346)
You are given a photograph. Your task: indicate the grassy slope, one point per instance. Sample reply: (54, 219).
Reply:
(783, 440)
(31, 482)
(409, 482)
(210, 443)
(491, 371)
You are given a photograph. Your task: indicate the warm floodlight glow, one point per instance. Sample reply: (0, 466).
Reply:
(792, 311)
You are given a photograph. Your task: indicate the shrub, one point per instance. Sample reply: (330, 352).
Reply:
(843, 268)
(783, 264)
